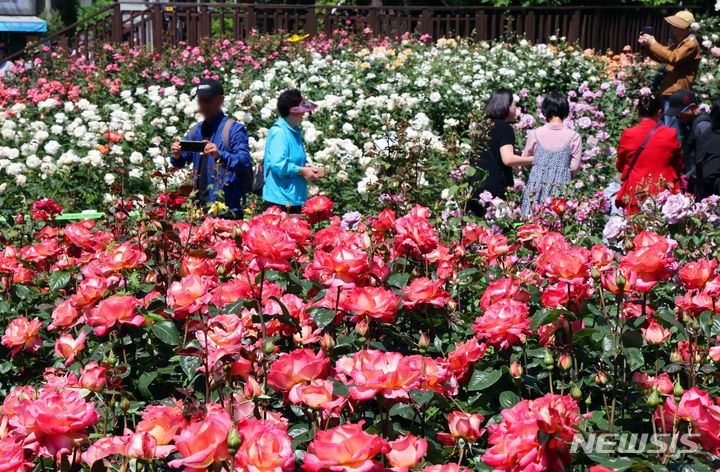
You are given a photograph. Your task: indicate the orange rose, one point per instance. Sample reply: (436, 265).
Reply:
(117, 309)
(22, 333)
(694, 275)
(346, 448)
(162, 421)
(406, 452)
(462, 426)
(373, 302)
(204, 442)
(68, 347)
(265, 447)
(300, 366)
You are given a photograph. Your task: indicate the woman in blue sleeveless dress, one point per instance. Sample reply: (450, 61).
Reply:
(556, 151)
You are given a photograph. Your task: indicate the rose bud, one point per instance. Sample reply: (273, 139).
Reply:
(252, 389)
(327, 342)
(516, 370)
(565, 362)
(601, 378)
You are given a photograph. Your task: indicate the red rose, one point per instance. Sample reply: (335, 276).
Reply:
(318, 208)
(504, 324)
(694, 275)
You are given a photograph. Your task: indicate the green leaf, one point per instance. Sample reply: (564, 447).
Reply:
(632, 338)
(508, 399)
(298, 429)
(467, 272)
(696, 468)
(166, 332)
(421, 397)
(322, 316)
(144, 382)
(58, 280)
(189, 365)
(399, 279)
(22, 291)
(340, 388)
(669, 316)
(544, 317)
(634, 357)
(483, 379)
(403, 410)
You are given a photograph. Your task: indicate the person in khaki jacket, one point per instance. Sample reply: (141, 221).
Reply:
(681, 61)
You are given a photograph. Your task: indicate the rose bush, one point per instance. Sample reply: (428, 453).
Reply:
(404, 337)
(395, 126)
(159, 340)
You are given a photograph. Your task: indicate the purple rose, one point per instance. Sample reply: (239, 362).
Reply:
(614, 228)
(676, 208)
(350, 220)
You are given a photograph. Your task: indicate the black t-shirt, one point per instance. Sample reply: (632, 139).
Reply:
(499, 176)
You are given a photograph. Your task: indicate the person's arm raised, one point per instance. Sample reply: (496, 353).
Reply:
(686, 51)
(510, 159)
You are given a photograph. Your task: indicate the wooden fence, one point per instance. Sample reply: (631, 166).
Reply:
(160, 24)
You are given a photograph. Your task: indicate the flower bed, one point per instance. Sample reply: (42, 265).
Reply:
(404, 337)
(392, 126)
(358, 343)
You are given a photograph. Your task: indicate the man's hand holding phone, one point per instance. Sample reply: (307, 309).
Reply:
(210, 149)
(176, 150)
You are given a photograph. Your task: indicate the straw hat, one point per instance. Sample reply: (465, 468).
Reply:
(682, 19)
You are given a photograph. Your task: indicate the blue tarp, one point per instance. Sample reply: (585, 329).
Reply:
(24, 24)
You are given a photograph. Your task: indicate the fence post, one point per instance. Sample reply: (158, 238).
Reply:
(479, 24)
(117, 24)
(426, 22)
(204, 24)
(530, 26)
(373, 20)
(250, 20)
(574, 30)
(310, 22)
(64, 44)
(157, 27)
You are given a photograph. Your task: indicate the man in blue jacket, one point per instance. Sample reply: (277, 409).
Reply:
(224, 165)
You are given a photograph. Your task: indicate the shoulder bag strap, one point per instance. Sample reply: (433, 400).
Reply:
(226, 132)
(639, 151)
(191, 134)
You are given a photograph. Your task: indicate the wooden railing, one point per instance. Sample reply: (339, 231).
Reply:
(160, 24)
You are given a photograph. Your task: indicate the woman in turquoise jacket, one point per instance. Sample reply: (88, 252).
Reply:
(285, 162)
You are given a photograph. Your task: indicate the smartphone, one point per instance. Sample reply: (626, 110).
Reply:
(192, 146)
(649, 30)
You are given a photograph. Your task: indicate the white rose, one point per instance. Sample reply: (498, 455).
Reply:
(435, 97)
(109, 179)
(33, 162)
(136, 158)
(51, 147)
(94, 157)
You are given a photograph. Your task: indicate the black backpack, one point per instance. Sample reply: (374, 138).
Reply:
(704, 179)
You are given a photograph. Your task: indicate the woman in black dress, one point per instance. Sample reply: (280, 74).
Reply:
(498, 155)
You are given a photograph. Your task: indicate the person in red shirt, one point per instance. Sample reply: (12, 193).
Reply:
(658, 165)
